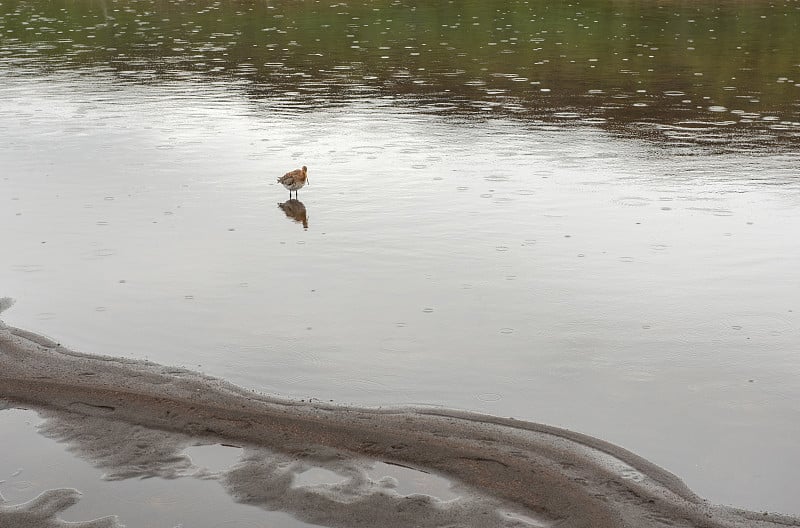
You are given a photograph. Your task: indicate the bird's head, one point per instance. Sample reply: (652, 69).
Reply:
(305, 173)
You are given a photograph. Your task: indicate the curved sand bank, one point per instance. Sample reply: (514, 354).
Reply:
(562, 477)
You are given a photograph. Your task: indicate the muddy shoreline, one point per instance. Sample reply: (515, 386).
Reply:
(562, 477)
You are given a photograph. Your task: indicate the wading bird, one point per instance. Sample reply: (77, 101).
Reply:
(294, 180)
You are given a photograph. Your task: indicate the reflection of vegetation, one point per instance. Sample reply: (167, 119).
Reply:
(618, 59)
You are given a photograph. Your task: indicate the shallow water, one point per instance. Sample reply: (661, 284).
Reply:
(615, 254)
(183, 481)
(40, 464)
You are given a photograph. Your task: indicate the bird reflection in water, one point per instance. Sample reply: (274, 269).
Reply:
(295, 210)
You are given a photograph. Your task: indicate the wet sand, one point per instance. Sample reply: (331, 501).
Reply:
(561, 477)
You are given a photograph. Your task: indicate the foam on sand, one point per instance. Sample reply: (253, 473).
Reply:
(534, 474)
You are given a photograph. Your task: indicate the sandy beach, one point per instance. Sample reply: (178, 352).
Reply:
(558, 477)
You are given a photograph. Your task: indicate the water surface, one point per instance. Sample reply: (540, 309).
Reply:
(148, 478)
(580, 215)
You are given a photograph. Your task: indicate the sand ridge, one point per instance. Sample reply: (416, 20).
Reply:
(561, 477)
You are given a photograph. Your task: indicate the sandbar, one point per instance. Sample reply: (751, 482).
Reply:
(564, 478)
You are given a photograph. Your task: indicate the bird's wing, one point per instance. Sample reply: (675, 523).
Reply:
(289, 177)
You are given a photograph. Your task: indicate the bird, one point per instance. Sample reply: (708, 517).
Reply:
(294, 180)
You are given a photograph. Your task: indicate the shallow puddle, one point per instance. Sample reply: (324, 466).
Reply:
(39, 464)
(403, 480)
(174, 481)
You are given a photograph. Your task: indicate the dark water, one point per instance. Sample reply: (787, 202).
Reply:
(580, 214)
(711, 72)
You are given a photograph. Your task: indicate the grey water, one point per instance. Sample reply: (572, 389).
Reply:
(186, 482)
(584, 215)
